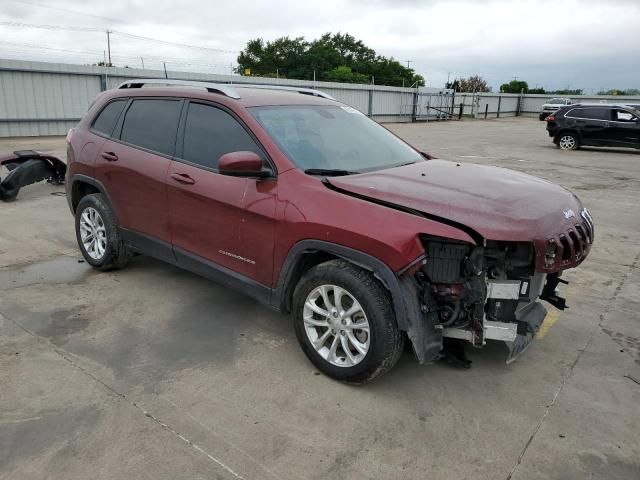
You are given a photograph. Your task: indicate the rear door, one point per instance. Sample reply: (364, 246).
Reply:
(219, 218)
(133, 166)
(591, 122)
(625, 128)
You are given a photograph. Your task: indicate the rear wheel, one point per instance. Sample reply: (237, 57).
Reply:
(97, 234)
(345, 322)
(568, 141)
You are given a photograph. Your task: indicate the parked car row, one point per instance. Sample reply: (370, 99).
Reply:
(603, 125)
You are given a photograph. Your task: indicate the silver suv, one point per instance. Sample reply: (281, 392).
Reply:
(553, 105)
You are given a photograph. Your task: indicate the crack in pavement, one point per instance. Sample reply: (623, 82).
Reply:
(123, 396)
(565, 379)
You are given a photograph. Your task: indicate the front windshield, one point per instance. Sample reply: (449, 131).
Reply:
(558, 101)
(332, 137)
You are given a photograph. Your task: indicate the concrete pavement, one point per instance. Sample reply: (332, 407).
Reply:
(152, 372)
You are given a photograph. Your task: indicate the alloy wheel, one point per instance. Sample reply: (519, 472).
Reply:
(568, 142)
(336, 325)
(93, 233)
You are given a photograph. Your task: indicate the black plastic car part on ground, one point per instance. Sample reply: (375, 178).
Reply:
(603, 125)
(27, 167)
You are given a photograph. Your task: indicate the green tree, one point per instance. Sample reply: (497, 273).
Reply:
(567, 91)
(515, 86)
(344, 74)
(537, 90)
(617, 91)
(333, 57)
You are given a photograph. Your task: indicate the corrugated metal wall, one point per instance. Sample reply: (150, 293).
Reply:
(38, 98)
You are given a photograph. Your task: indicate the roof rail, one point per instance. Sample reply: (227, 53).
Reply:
(229, 90)
(304, 91)
(226, 90)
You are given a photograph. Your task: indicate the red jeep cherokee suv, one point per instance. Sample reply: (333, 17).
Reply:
(312, 208)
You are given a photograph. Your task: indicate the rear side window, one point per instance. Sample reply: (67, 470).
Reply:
(152, 124)
(107, 118)
(210, 132)
(590, 113)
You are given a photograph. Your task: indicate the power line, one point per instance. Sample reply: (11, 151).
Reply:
(38, 4)
(117, 32)
(92, 56)
(51, 27)
(177, 44)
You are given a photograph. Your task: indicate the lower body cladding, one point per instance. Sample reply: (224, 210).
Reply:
(476, 294)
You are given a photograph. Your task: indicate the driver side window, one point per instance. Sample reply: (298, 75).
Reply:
(210, 132)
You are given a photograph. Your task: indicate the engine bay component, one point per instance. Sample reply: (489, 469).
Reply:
(27, 167)
(489, 292)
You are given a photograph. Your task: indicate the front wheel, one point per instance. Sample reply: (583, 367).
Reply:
(345, 323)
(568, 141)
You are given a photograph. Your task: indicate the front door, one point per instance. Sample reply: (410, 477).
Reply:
(219, 219)
(625, 128)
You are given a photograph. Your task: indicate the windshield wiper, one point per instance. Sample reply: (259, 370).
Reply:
(329, 172)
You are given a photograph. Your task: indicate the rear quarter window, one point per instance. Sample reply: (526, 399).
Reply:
(106, 120)
(152, 124)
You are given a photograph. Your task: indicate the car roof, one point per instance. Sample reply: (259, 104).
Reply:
(243, 94)
(602, 105)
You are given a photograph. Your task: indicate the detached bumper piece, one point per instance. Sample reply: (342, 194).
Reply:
(27, 167)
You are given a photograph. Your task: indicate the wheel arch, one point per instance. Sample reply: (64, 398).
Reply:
(82, 185)
(564, 130)
(309, 253)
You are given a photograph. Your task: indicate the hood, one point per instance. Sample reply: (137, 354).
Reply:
(497, 203)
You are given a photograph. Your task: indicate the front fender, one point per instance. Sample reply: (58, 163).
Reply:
(403, 289)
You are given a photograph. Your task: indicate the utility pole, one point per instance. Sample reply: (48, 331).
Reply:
(109, 32)
(142, 60)
(165, 70)
(409, 62)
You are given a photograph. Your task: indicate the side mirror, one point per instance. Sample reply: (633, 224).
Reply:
(242, 164)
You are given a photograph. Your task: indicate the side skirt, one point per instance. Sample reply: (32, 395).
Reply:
(164, 251)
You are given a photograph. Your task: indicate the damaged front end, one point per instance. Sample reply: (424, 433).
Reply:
(27, 167)
(479, 293)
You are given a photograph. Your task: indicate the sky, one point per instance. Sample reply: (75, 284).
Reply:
(588, 44)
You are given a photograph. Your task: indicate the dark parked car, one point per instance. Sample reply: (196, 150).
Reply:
(312, 208)
(599, 124)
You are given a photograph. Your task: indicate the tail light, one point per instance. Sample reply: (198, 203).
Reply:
(70, 135)
(551, 118)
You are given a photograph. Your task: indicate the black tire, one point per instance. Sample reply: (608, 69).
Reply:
(543, 116)
(116, 255)
(568, 141)
(386, 341)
